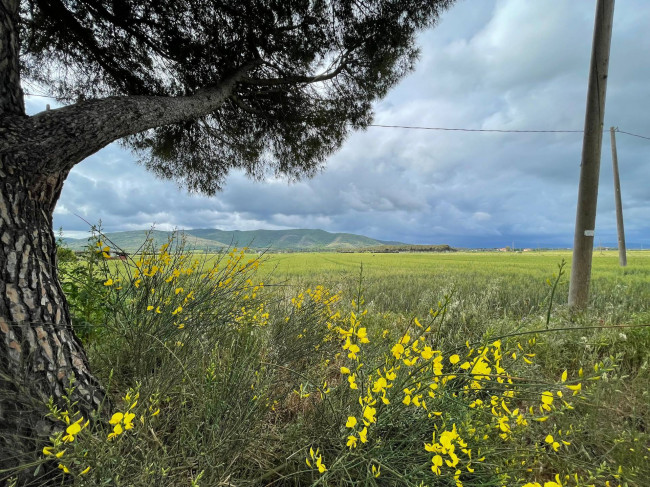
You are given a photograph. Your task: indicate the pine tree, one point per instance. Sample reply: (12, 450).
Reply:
(196, 88)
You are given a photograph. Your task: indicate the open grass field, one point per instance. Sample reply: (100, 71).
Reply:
(529, 265)
(456, 369)
(496, 283)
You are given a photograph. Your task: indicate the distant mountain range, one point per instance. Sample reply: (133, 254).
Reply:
(206, 239)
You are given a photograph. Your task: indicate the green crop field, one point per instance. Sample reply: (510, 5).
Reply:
(346, 369)
(508, 283)
(528, 264)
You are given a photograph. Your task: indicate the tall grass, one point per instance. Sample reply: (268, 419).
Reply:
(425, 370)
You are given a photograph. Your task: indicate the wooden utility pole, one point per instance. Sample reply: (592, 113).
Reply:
(622, 256)
(583, 241)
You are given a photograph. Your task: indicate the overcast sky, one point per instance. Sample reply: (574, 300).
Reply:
(510, 64)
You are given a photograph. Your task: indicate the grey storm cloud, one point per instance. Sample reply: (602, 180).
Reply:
(507, 64)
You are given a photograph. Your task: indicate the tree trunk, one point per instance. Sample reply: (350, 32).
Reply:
(39, 352)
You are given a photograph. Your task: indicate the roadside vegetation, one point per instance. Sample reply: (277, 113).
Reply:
(463, 369)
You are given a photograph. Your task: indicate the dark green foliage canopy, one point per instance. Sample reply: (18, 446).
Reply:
(313, 69)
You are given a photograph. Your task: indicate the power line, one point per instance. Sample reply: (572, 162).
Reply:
(448, 129)
(633, 135)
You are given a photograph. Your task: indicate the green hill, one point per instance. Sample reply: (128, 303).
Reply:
(131, 241)
(206, 239)
(296, 240)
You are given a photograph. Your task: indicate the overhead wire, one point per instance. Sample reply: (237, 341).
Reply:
(633, 135)
(516, 131)
(450, 129)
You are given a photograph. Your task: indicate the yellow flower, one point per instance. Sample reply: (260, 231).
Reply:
(352, 441)
(437, 463)
(85, 471)
(454, 359)
(410, 362)
(397, 350)
(60, 454)
(320, 465)
(447, 437)
(71, 431)
(353, 349)
(547, 399)
(379, 385)
(427, 353)
(74, 428)
(363, 335)
(564, 376)
(117, 430)
(47, 450)
(376, 471)
(345, 370)
(363, 435)
(369, 414)
(576, 388)
(109, 282)
(64, 468)
(351, 423)
(128, 420)
(116, 418)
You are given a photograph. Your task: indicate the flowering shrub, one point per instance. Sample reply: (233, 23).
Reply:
(474, 408)
(82, 452)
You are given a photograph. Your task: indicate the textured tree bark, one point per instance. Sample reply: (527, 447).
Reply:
(39, 351)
